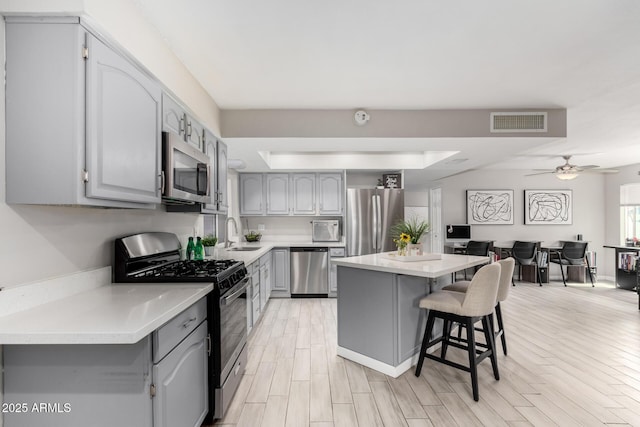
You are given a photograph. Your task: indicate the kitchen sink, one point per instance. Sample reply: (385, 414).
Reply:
(244, 249)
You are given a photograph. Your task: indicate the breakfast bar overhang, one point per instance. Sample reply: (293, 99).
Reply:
(380, 324)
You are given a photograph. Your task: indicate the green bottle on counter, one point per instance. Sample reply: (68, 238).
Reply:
(191, 248)
(199, 251)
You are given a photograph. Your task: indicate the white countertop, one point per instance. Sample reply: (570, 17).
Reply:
(448, 263)
(250, 257)
(111, 314)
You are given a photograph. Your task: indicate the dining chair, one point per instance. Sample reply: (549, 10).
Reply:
(467, 309)
(524, 253)
(478, 248)
(572, 253)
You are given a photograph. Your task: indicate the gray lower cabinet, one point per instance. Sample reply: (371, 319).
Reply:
(254, 270)
(379, 314)
(280, 273)
(180, 381)
(97, 133)
(159, 381)
(265, 280)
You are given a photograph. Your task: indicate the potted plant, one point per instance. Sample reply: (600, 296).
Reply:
(252, 236)
(209, 242)
(413, 227)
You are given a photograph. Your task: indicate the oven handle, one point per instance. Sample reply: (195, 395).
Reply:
(243, 285)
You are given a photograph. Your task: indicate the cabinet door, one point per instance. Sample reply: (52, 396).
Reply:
(223, 204)
(333, 279)
(181, 381)
(194, 133)
(211, 150)
(277, 186)
(123, 129)
(173, 118)
(280, 276)
(263, 287)
(251, 194)
(304, 193)
(249, 309)
(330, 194)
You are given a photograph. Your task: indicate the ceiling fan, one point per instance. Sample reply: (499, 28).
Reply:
(568, 171)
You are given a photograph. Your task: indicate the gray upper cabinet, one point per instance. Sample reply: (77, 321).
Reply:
(173, 116)
(86, 131)
(294, 194)
(222, 197)
(303, 187)
(211, 150)
(277, 189)
(251, 194)
(123, 128)
(175, 119)
(330, 193)
(194, 133)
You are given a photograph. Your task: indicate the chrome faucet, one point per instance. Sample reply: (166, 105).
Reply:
(227, 243)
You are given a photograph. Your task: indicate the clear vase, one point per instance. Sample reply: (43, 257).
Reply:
(414, 249)
(402, 251)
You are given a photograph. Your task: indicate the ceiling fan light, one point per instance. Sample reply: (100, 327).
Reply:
(566, 175)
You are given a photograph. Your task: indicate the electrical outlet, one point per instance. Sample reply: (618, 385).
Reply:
(260, 227)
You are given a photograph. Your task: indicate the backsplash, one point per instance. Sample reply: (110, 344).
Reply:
(295, 227)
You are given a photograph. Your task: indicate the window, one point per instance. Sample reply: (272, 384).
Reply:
(630, 213)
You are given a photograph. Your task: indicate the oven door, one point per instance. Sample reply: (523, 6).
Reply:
(185, 171)
(233, 326)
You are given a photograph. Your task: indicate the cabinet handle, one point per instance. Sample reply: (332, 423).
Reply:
(181, 125)
(209, 344)
(208, 179)
(189, 130)
(162, 182)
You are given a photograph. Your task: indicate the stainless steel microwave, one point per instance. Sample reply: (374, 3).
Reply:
(325, 231)
(185, 172)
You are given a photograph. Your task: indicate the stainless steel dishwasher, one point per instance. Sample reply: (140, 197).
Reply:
(309, 272)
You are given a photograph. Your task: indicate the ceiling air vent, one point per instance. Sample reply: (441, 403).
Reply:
(519, 122)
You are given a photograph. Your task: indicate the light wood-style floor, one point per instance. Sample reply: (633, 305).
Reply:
(574, 360)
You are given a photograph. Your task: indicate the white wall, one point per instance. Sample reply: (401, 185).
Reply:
(588, 208)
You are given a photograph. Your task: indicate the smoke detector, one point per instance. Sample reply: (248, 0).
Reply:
(361, 117)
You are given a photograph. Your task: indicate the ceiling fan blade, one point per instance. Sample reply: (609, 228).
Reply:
(601, 171)
(540, 173)
(588, 167)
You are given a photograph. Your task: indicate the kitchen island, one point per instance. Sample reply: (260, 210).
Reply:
(379, 322)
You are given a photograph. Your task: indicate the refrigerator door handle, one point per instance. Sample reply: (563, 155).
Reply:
(374, 223)
(379, 225)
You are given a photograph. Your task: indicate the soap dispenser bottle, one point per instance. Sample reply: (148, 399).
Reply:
(191, 248)
(199, 250)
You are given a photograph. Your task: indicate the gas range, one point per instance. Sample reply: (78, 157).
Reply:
(155, 258)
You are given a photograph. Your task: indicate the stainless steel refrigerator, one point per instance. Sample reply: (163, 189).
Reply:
(370, 215)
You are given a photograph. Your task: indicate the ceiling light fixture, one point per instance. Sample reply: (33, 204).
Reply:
(566, 175)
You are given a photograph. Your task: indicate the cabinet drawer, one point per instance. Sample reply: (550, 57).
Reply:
(175, 330)
(336, 252)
